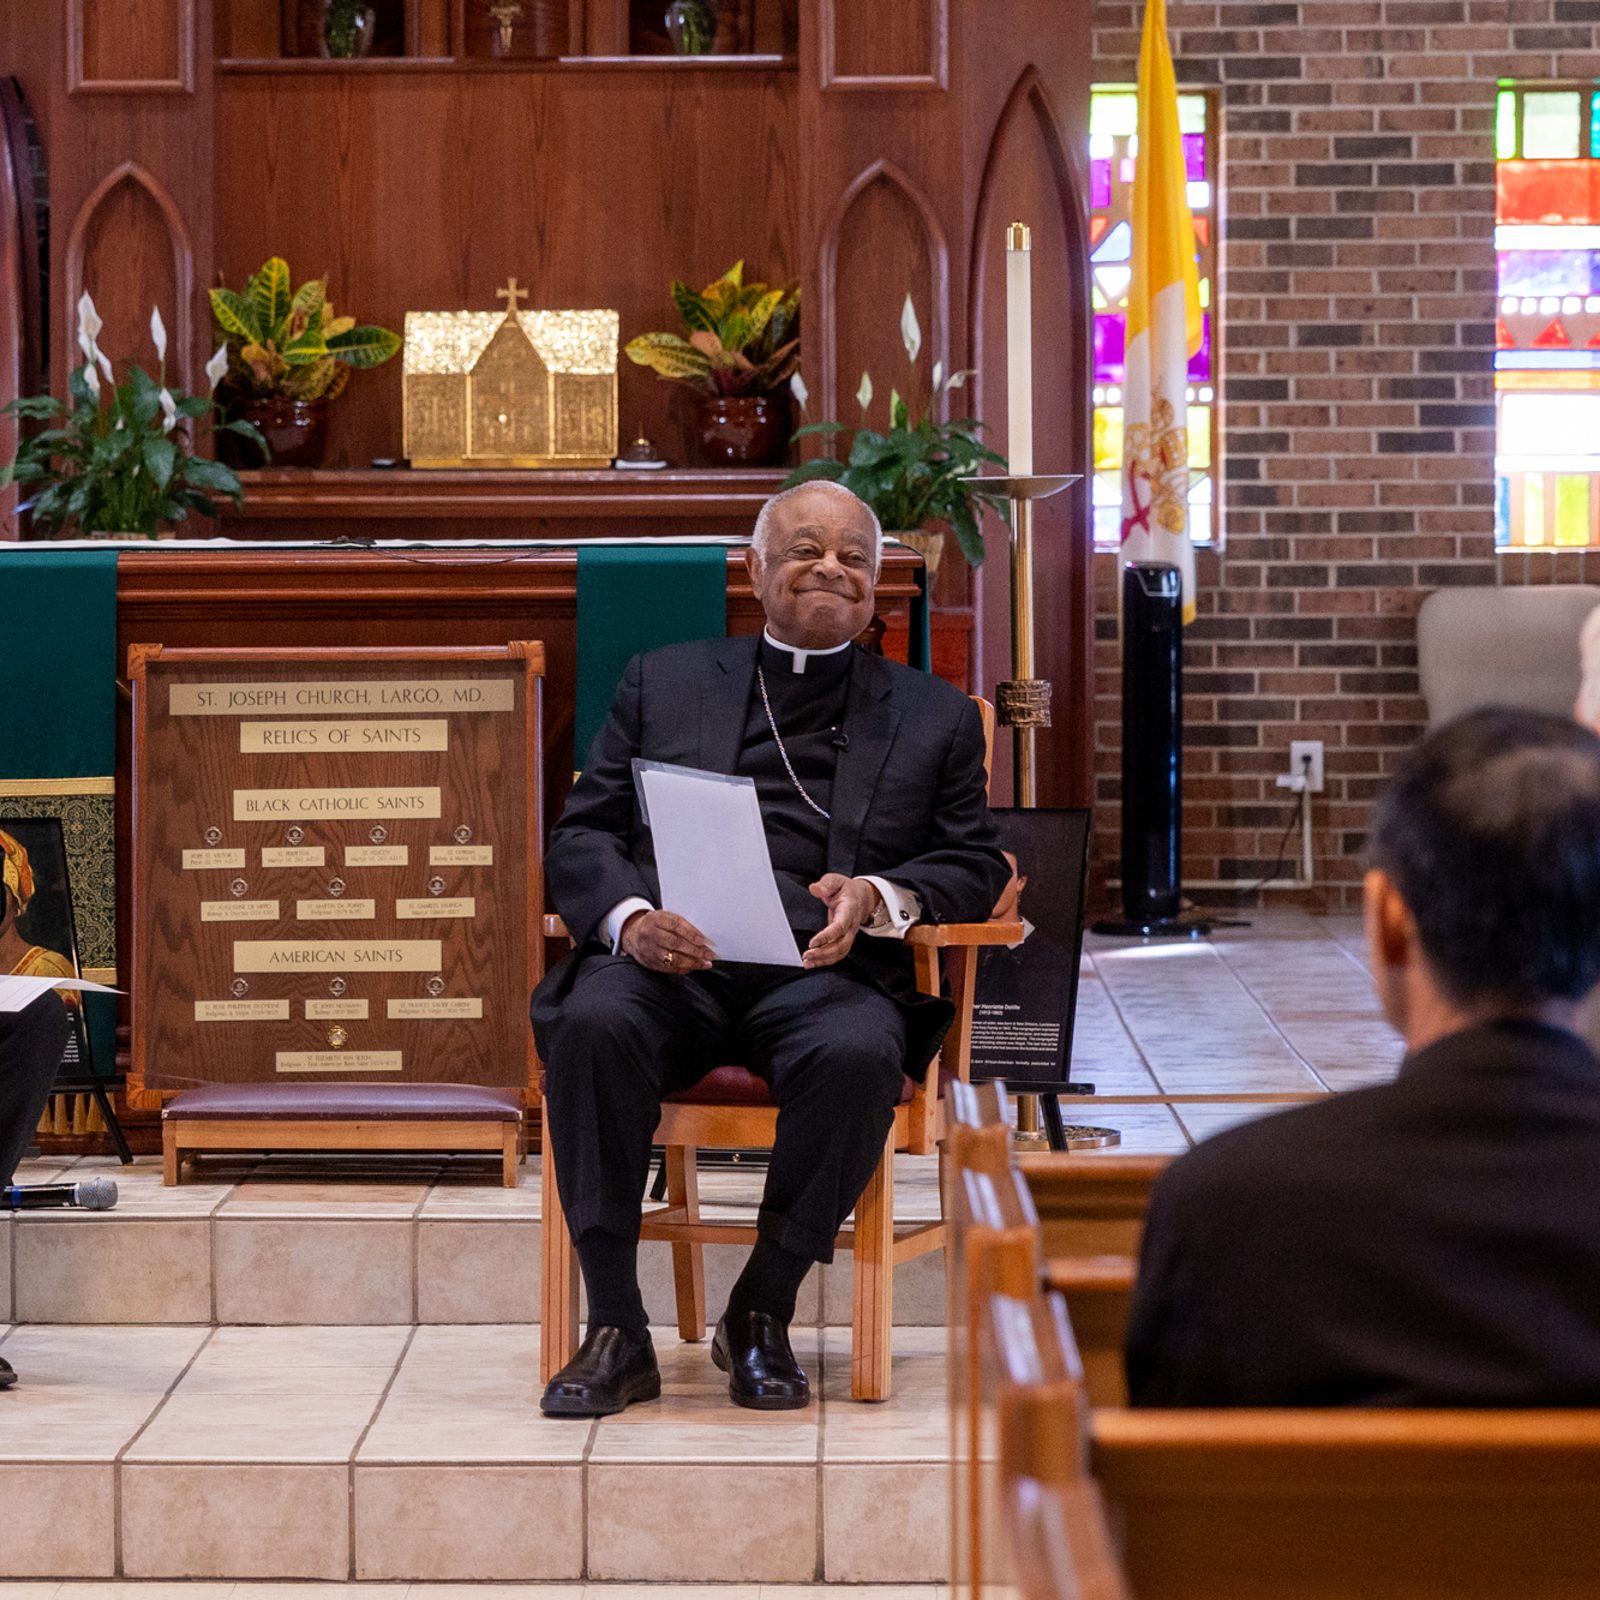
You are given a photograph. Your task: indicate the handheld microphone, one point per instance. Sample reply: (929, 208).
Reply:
(93, 1194)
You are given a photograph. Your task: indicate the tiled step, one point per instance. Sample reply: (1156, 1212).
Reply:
(396, 1454)
(286, 1242)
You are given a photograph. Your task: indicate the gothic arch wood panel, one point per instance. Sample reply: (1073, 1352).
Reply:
(129, 247)
(883, 241)
(1028, 176)
(905, 46)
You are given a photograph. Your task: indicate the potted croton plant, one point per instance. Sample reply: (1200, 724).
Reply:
(120, 460)
(289, 354)
(916, 475)
(742, 346)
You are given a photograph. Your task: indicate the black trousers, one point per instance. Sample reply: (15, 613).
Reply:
(31, 1042)
(831, 1047)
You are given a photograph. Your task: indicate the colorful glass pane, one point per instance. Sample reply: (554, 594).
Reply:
(1545, 272)
(1572, 508)
(1100, 183)
(1110, 348)
(1194, 157)
(1117, 244)
(1108, 439)
(1200, 361)
(1199, 437)
(1192, 113)
(1547, 192)
(1594, 125)
(1550, 123)
(1114, 113)
(1505, 124)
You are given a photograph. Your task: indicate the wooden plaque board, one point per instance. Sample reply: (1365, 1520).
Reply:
(336, 866)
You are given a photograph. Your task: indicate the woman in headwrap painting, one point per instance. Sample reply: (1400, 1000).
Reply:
(19, 955)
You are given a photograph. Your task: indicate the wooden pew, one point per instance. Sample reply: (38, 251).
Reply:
(1052, 1518)
(1353, 1505)
(992, 1247)
(1098, 1291)
(1092, 1205)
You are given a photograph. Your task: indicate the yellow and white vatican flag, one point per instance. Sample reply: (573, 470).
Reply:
(1164, 325)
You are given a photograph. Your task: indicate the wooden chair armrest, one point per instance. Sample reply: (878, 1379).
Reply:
(942, 935)
(1091, 1274)
(555, 928)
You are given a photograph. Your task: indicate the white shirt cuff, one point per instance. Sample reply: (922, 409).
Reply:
(619, 914)
(902, 906)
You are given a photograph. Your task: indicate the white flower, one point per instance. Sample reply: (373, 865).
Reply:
(169, 411)
(910, 329)
(864, 393)
(105, 364)
(89, 323)
(797, 387)
(217, 366)
(938, 373)
(158, 333)
(958, 380)
(92, 379)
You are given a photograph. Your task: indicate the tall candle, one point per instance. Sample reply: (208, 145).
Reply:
(1019, 349)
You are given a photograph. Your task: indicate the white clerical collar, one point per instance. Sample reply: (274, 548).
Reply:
(799, 657)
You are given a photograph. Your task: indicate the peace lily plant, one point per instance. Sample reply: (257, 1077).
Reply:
(914, 475)
(120, 458)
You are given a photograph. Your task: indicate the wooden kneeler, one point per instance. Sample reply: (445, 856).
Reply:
(342, 1116)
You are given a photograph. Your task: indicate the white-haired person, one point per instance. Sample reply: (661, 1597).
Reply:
(870, 778)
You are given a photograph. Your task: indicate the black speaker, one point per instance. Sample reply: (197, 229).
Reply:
(1152, 754)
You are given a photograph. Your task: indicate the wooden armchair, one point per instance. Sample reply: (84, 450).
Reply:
(732, 1108)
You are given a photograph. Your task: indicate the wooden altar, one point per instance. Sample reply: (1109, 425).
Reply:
(866, 150)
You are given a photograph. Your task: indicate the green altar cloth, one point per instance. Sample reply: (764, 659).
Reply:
(58, 683)
(639, 598)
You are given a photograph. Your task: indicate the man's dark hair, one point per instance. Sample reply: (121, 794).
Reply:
(1491, 832)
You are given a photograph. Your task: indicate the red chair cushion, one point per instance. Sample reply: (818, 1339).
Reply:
(739, 1086)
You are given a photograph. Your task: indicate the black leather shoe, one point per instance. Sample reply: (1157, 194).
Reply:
(612, 1369)
(8, 1374)
(752, 1347)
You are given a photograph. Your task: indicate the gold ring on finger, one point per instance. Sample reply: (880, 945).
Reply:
(671, 959)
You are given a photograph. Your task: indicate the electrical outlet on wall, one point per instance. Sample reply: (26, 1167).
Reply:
(1299, 751)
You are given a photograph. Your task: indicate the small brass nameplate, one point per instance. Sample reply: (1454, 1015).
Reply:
(337, 955)
(238, 910)
(376, 855)
(294, 855)
(281, 738)
(269, 805)
(204, 860)
(327, 1010)
(334, 698)
(241, 1011)
(339, 1061)
(335, 910)
(447, 1006)
(461, 855)
(423, 910)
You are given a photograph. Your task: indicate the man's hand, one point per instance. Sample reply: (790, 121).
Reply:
(851, 903)
(664, 942)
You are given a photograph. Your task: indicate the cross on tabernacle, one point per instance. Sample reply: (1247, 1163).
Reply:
(511, 294)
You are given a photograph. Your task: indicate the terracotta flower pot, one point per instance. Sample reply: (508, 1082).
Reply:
(296, 432)
(748, 430)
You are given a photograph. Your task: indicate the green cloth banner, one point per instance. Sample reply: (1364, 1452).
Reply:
(58, 752)
(634, 598)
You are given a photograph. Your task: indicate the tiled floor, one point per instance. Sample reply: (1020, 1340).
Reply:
(328, 1372)
(114, 1589)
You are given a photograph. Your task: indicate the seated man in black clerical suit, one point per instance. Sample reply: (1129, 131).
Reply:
(1434, 1241)
(31, 1043)
(871, 786)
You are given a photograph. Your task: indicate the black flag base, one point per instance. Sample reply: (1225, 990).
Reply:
(1154, 928)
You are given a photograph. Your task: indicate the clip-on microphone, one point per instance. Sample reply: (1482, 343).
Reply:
(93, 1194)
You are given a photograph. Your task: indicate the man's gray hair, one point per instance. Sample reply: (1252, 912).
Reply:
(763, 529)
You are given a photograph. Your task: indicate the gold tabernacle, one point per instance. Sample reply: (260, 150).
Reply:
(510, 389)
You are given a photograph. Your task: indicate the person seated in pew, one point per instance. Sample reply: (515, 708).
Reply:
(873, 796)
(1433, 1241)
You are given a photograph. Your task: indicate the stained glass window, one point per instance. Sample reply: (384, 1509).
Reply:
(1547, 336)
(1113, 120)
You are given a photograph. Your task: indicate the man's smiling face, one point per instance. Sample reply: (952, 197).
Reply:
(816, 573)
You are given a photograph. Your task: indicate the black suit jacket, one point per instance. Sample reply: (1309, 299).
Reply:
(1430, 1242)
(909, 804)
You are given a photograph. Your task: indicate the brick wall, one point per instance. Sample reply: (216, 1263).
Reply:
(1358, 293)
